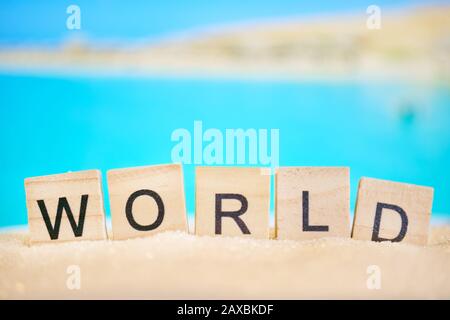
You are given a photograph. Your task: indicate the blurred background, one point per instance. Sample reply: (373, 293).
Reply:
(103, 84)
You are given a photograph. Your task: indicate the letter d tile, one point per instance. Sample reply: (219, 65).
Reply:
(392, 211)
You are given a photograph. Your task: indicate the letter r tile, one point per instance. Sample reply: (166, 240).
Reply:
(65, 207)
(147, 200)
(232, 201)
(312, 202)
(387, 210)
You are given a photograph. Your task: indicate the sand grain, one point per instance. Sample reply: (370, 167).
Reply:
(178, 265)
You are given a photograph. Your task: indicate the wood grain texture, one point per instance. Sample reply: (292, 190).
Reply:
(328, 202)
(415, 200)
(250, 182)
(165, 180)
(72, 186)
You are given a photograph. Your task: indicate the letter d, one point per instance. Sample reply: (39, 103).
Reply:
(377, 222)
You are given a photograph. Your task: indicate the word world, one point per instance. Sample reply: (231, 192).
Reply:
(310, 203)
(234, 146)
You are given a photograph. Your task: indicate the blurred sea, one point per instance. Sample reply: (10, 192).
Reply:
(53, 124)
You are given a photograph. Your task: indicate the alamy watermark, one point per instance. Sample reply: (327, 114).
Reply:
(230, 146)
(374, 280)
(73, 281)
(73, 21)
(374, 19)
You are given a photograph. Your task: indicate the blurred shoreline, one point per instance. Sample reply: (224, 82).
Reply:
(413, 44)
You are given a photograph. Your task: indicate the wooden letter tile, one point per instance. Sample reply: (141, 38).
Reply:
(312, 202)
(392, 211)
(232, 201)
(146, 200)
(64, 207)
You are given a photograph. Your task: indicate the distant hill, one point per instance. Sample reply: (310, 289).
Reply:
(412, 44)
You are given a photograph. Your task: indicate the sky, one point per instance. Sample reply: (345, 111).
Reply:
(44, 21)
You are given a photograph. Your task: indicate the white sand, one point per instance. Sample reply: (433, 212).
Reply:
(178, 265)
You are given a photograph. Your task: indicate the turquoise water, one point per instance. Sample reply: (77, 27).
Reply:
(52, 124)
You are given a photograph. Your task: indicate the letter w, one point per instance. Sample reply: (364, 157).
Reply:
(64, 205)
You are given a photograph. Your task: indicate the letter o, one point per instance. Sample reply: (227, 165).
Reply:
(129, 210)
